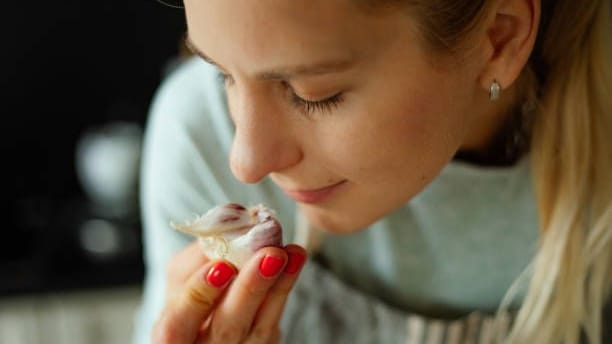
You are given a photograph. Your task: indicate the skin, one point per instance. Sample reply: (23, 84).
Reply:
(401, 118)
(399, 114)
(251, 307)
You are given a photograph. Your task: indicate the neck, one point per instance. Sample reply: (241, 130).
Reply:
(497, 136)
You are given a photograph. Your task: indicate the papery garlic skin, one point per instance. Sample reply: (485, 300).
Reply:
(220, 219)
(233, 232)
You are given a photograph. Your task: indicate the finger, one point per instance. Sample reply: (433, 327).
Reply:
(185, 314)
(183, 265)
(273, 338)
(276, 337)
(270, 312)
(234, 316)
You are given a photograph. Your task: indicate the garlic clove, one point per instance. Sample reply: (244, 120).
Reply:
(219, 219)
(233, 232)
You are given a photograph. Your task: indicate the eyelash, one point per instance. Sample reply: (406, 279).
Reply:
(324, 106)
(308, 107)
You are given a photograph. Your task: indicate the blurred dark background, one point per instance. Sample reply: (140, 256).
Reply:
(77, 81)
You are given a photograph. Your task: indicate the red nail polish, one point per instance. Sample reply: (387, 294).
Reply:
(271, 265)
(296, 260)
(220, 274)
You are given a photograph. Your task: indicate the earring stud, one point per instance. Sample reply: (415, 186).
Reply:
(494, 90)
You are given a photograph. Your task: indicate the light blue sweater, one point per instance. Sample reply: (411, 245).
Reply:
(452, 250)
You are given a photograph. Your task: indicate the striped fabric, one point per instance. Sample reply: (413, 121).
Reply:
(476, 328)
(322, 309)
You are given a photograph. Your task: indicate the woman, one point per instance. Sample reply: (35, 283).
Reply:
(409, 132)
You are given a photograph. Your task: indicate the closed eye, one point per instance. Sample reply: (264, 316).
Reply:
(309, 107)
(306, 106)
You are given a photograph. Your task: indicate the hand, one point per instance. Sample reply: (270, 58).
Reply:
(204, 305)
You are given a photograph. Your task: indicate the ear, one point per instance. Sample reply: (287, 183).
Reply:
(510, 35)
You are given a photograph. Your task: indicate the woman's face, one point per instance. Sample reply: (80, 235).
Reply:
(340, 107)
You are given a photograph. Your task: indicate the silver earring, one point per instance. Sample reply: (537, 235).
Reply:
(494, 90)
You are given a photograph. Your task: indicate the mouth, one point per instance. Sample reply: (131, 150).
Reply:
(313, 196)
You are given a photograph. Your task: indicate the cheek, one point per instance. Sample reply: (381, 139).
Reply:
(403, 136)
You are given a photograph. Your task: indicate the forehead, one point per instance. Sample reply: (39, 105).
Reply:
(260, 31)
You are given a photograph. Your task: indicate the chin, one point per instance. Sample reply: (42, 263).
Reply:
(334, 222)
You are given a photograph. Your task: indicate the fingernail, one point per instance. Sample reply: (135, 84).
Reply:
(271, 265)
(220, 274)
(296, 260)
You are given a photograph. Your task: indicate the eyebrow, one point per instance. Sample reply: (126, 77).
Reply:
(318, 68)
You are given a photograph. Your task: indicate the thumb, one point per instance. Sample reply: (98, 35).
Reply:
(185, 314)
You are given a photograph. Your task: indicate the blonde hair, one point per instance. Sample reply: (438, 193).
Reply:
(572, 164)
(569, 78)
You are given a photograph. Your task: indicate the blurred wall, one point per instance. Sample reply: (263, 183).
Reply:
(69, 66)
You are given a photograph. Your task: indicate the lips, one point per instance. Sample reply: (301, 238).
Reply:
(234, 232)
(314, 195)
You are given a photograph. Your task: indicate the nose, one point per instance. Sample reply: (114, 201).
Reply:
(263, 141)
